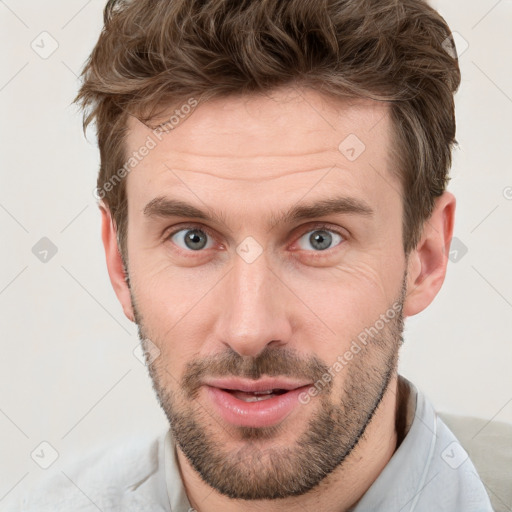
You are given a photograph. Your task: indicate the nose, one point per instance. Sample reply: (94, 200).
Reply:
(254, 308)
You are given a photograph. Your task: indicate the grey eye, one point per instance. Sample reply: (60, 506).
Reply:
(191, 239)
(320, 239)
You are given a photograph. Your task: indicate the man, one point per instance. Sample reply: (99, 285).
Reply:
(273, 198)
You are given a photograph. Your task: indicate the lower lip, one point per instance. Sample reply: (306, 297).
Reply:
(263, 413)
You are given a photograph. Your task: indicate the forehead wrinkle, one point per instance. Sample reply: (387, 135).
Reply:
(238, 175)
(262, 155)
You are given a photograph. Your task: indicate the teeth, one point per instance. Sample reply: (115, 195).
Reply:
(255, 398)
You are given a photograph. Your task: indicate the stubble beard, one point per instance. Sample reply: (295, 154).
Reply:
(267, 465)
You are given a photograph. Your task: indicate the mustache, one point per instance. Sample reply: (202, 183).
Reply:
(271, 362)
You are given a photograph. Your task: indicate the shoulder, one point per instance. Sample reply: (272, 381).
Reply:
(458, 484)
(122, 476)
(489, 446)
(445, 478)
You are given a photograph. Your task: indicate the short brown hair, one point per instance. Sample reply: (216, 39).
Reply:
(154, 54)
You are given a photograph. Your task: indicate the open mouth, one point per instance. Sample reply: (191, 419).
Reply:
(260, 404)
(255, 396)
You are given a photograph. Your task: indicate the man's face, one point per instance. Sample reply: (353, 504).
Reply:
(251, 293)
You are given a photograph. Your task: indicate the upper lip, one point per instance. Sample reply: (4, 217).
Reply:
(249, 385)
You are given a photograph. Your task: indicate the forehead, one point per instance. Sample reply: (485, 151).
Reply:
(265, 146)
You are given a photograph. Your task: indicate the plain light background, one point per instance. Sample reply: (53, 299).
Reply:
(68, 373)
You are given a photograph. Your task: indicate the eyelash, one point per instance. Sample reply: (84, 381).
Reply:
(311, 228)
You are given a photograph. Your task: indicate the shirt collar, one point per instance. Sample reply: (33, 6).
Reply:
(402, 479)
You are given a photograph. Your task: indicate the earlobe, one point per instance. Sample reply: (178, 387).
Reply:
(114, 262)
(427, 263)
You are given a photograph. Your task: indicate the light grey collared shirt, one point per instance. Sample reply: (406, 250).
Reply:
(429, 472)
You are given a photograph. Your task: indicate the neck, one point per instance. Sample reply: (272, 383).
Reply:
(341, 489)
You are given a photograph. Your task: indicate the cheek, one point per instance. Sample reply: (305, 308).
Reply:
(349, 300)
(348, 297)
(171, 302)
(167, 291)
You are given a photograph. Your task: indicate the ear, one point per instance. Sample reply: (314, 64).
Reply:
(427, 263)
(114, 262)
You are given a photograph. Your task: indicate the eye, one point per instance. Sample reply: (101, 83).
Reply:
(191, 239)
(321, 239)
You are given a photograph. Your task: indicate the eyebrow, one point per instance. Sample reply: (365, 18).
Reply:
(167, 207)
